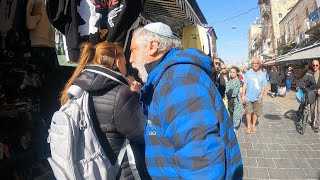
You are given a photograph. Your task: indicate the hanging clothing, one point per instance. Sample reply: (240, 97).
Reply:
(195, 36)
(41, 32)
(92, 21)
(7, 14)
(234, 98)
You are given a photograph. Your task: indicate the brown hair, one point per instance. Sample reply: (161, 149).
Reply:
(104, 54)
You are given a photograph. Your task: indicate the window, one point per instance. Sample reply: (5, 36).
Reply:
(280, 15)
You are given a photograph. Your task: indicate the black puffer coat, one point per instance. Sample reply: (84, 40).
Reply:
(117, 115)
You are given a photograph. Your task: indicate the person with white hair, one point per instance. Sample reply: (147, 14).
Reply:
(188, 134)
(311, 80)
(253, 89)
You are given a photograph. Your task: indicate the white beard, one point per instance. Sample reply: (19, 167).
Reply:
(139, 64)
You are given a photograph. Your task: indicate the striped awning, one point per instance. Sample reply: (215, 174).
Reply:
(175, 13)
(308, 53)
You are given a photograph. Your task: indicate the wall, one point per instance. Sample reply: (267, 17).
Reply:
(279, 9)
(296, 18)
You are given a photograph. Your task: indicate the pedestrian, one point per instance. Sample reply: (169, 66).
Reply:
(189, 134)
(234, 97)
(311, 81)
(289, 78)
(114, 109)
(274, 80)
(222, 80)
(216, 71)
(253, 89)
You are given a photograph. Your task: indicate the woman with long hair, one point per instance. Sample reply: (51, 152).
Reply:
(234, 97)
(114, 109)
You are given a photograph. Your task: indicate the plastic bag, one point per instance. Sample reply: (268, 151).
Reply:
(281, 91)
(299, 95)
(225, 101)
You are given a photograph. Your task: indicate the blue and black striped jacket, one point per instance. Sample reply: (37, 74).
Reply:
(188, 133)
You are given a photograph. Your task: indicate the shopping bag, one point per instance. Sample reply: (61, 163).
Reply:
(225, 101)
(299, 95)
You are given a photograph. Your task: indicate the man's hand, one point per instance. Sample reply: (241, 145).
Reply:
(133, 84)
(318, 92)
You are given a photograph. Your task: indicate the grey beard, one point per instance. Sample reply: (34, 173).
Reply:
(143, 74)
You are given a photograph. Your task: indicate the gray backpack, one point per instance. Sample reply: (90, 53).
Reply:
(75, 150)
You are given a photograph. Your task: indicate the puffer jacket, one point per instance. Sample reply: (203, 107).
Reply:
(117, 115)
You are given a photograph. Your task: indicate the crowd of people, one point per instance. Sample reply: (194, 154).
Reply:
(176, 121)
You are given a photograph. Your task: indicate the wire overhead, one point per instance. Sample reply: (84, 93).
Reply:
(233, 17)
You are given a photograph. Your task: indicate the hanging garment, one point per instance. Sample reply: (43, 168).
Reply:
(195, 36)
(7, 13)
(92, 21)
(41, 32)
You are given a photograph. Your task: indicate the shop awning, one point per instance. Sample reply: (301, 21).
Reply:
(269, 63)
(308, 53)
(175, 13)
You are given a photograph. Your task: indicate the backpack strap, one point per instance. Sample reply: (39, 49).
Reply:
(127, 148)
(75, 91)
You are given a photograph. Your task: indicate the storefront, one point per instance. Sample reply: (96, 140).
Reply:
(32, 78)
(299, 60)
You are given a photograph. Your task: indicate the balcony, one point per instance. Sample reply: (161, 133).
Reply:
(265, 9)
(312, 23)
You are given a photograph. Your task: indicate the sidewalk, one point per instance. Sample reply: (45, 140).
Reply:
(277, 150)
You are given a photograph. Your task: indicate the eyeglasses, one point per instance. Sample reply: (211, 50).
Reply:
(223, 68)
(315, 65)
(217, 63)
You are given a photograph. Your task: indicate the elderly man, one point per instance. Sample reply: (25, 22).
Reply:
(188, 133)
(311, 79)
(253, 89)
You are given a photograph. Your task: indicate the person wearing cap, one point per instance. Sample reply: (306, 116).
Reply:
(289, 78)
(188, 133)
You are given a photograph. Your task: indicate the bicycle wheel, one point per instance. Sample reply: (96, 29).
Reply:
(304, 123)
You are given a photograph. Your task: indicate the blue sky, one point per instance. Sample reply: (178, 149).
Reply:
(232, 44)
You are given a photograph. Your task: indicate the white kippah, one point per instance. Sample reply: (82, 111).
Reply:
(160, 29)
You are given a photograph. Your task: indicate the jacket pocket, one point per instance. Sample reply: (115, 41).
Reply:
(58, 172)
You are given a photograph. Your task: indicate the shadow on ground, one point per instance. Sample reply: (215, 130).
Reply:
(291, 114)
(272, 117)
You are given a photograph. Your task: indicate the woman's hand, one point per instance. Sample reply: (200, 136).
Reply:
(244, 99)
(133, 84)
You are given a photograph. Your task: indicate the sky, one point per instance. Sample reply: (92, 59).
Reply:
(232, 44)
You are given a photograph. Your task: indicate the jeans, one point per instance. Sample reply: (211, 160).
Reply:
(288, 85)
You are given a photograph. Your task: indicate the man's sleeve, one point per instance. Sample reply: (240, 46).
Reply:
(245, 79)
(264, 81)
(192, 120)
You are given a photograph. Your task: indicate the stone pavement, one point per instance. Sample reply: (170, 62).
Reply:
(277, 150)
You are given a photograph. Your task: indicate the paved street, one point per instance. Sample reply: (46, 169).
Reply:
(277, 150)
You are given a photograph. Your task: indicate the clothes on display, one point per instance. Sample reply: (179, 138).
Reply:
(41, 32)
(196, 36)
(7, 14)
(92, 21)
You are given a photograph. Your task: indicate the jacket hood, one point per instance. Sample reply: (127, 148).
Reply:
(95, 78)
(177, 56)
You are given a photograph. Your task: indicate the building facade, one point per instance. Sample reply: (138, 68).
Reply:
(255, 40)
(295, 24)
(272, 12)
